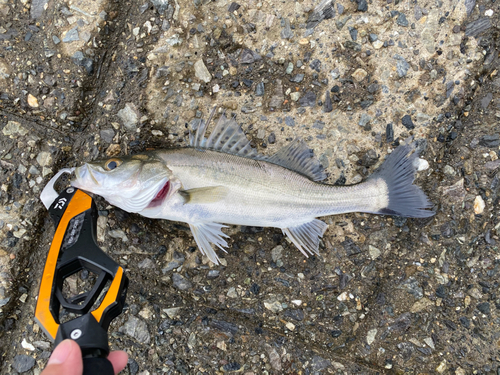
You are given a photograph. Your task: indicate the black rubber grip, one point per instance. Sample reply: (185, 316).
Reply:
(97, 366)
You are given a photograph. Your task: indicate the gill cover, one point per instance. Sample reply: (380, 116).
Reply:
(129, 183)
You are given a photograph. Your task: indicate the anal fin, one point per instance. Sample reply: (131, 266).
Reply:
(206, 233)
(306, 236)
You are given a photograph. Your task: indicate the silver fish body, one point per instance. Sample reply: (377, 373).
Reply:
(222, 180)
(256, 192)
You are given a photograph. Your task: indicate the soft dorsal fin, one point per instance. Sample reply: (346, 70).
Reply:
(227, 137)
(299, 158)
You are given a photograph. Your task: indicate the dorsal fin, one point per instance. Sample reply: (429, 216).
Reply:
(299, 158)
(227, 137)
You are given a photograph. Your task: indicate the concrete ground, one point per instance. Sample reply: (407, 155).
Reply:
(84, 80)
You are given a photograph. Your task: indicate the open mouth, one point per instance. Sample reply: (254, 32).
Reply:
(160, 196)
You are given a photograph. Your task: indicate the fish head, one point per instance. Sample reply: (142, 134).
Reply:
(131, 183)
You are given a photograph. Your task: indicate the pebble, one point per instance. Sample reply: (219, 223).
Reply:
(129, 116)
(146, 263)
(274, 306)
(201, 71)
(278, 97)
(14, 128)
(354, 33)
(370, 337)
(276, 253)
(32, 101)
(297, 78)
(118, 233)
(359, 74)
(364, 119)
(44, 159)
(213, 274)
(137, 329)
(402, 66)
(107, 135)
(26, 345)
(231, 293)
(287, 32)
(479, 205)
(319, 363)
(350, 247)
(172, 312)
(315, 65)
(407, 122)
(469, 6)
(378, 44)
(401, 20)
(308, 100)
(442, 367)
(449, 170)
(389, 133)
(295, 96)
(259, 89)
(362, 6)
(290, 121)
(274, 357)
(492, 165)
(232, 7)
(374, 252)
(248, 56)
(327, 105)
(23, 363)
(272, 138)
(411, 285)
(44, 345)
(180, 282)
(231, 366)
(289, 68)
(113, 150)
(484, 307)
(71, 35)
(492, 140)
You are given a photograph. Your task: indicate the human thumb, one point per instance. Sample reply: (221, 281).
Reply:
(66, 359)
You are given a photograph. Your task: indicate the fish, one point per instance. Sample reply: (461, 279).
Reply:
(222, 180)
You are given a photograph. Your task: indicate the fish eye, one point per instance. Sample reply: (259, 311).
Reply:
(112, 164)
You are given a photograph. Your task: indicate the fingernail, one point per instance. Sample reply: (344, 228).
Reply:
(61, 353)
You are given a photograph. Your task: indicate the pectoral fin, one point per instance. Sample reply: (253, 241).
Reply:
(206, 233)
(210, 194)
(306, 236)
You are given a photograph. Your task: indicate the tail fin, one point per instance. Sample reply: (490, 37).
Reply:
(398, 172)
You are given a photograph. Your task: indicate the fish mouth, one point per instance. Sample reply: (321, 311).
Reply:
(83, 172)
(160, 196)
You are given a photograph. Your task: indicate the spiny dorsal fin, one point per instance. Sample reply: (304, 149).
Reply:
(209, 194)
(227, 137)
(299, 158)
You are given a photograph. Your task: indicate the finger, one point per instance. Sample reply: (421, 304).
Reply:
(66, 359)
(118, 359)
